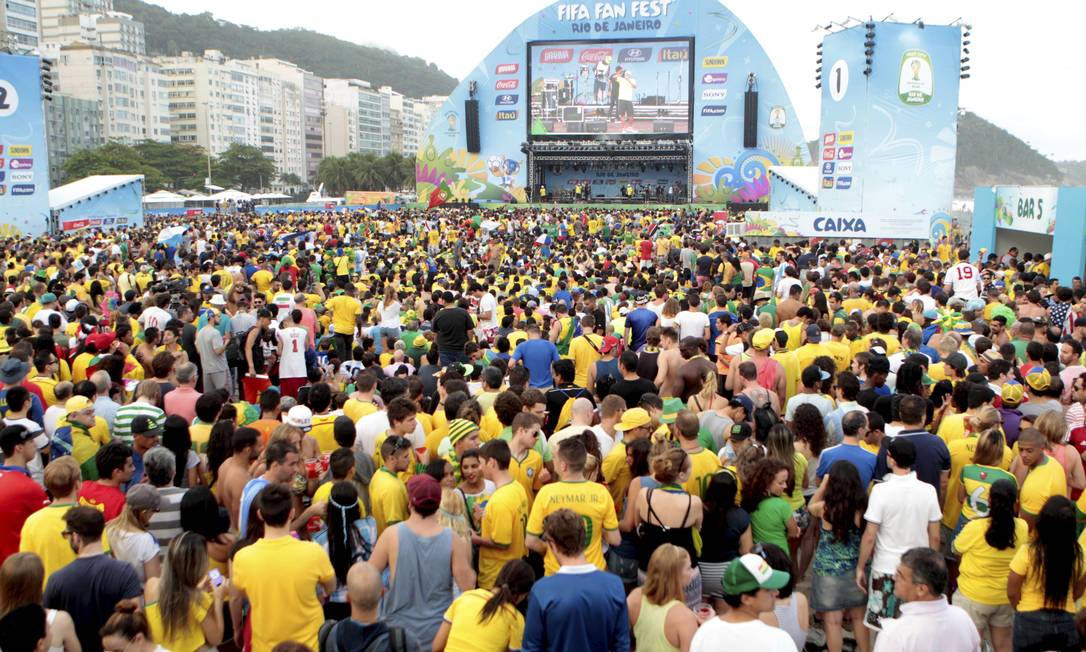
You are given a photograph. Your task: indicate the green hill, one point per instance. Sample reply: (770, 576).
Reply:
(326, 56)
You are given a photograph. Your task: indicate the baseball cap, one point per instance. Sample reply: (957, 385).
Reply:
(672, 407)
(71, 305)
(1012, 392)
(814, 332)
(931, 313)
(749, 573)
(460, 428)
(743, 401)
(48, 297)
(762, 339)
(991, 355)
(424, 492)
(740, 431)
(633, 418)
(1039, 379)
(218, 300)
(142, 425)
(610, 343)
(300, 416)
(77, 404)
(14, 435)
(142, 496)
(958, 361)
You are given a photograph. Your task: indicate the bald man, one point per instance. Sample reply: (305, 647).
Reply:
(363, 630)
(582, 416)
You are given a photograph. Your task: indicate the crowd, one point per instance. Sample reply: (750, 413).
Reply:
(535, 429)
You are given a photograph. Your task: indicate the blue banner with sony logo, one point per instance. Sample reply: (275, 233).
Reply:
(24, 204)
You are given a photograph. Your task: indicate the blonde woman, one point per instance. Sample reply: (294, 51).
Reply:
(128, 536)
(661, 621)
(388, 311)
(707, 399)
(668, 313)
(185, 608)
(453, 512)
(1054, 427)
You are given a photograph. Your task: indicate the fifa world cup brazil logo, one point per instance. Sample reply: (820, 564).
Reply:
(914, 65)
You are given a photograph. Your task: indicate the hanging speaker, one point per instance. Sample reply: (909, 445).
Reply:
(750, 119)
(471, 125)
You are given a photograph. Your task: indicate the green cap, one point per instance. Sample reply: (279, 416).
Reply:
(749, 573)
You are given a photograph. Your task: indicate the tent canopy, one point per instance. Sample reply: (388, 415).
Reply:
(162, 196)
(87, 187)
(233, 195)
(271, 195)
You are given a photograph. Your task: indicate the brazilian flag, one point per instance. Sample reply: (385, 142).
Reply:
(763, 278)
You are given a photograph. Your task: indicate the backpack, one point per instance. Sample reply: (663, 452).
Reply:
(764, 418)
(328, 641)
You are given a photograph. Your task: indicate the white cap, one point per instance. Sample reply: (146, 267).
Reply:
(218, 300)
(300, 416)
(1048, 256)
(70, 306)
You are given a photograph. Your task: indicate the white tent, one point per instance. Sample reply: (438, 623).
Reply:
(230, 195)
(161, 197)
(270, 195)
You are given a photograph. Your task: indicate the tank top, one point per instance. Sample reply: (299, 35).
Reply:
(51, 615)
(423, 588)
(653, 535)
(788, 620)
(649, 628)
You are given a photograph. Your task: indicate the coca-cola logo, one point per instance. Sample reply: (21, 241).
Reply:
(506, 84)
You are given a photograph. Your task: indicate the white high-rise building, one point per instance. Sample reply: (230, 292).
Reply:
(129, 89)
(113, 30)
(302, 130)
(20, 24)
(357, 118)
(53, 10)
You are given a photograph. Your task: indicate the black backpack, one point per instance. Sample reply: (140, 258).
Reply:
(327, 640)
(764, 419)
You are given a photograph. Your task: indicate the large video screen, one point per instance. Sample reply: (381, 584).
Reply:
(610, 88)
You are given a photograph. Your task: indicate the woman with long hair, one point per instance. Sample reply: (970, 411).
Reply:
(128, 536)
(127, 630)
(725, 534)
(987, 545)
(22, 577)
(668, 313)
(976, 478)
(348, 539)
(1053, 426)
(219, 448)
(388, 311)
(485, 620)
(840, 502)
(666, 513)
(453, 512)
(660, 620)
(177, 440)
(185, 606)
(771, 518)
(781, 445)
(623, 558)
(707, 399)
(1046, 577)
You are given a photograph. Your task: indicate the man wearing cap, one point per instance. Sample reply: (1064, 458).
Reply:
(1043, 392)
(810, 393)
(49, 307)
(812, 346)
(635, 424)
(146, 434)
(750, 588)
(423, 559)
(20, 496)
(577, 606)
(74, 435)
(463, 436)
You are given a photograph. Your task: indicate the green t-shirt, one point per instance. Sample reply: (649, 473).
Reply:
(540, 447)
(769, 523)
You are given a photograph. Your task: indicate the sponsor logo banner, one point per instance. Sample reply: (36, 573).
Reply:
(594, 55)
(829, 153)
(844, 183)
(675, 54)
(20, 150)
(714, 94)
(506, 115)
(506, 99)
(827, 168)
(23, 189)
(844, 153)
(712, 110)
(844, 167)
(20, 177)
(507, 69)
(21, 163)
(827, 182)
(845, 137)
(556, 55)
(506, 84)
(634, 55)
(829, 139)
(714, 78)
(715, 62)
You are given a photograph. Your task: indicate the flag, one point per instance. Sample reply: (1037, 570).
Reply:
(440, 194)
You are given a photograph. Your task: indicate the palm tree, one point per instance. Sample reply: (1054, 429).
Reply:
(337, 174)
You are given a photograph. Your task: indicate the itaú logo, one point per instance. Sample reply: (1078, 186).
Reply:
(840, 224)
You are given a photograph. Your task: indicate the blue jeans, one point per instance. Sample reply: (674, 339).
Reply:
(446, 358)
(1045, 629)
(379, 335)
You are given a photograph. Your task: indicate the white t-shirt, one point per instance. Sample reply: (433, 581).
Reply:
(488, 303)
(390, 314)
(903, 506)
(963, 278)
(371, 426)
(154, 317)
(716, 635)
(692, 324)
(292, 364)
(133, 548)
(284, 303)
(927, 300)
(785, 284)
(821, 401)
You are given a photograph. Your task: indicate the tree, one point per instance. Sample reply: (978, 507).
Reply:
(184, 166)
(337, 175)
(244, 167)
(113, 158)
(290, 179)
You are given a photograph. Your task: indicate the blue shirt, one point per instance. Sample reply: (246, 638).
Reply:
(578, 608)
(714, 332)
(864, 461)
(537, 354)
(639, 321)
(248, 495)
(932, 456)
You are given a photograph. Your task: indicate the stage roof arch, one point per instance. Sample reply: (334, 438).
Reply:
(690, 61)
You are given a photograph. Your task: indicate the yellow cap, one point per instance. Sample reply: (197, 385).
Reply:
(77, 403)
(633, 418)
(762, 339)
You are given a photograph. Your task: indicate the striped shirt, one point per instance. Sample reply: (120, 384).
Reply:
(122, 422)
(166, 522)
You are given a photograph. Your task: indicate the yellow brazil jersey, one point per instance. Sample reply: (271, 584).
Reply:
(324, 432)
(703, 464)
(503, 631)
(46, 385)
(526, 471)
(298, 567)
(616, 473)
(345, 311)
(952, 427)
(589, 499)
(1044, 480)
(961, 455)
(841, 354)
(41, 535)
(388, 498)
(355, 409)
(793, 331)
(1033, 591)
(584, 351)
(192, 636)
(324, 492)
(806, 354)
(977, 480)
(504, 521)
(262, 280)
(791, 372)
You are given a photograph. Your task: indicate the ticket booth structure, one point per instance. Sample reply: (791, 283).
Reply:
(1036, 219)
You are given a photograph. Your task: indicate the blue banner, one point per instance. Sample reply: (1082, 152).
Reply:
(24, 163)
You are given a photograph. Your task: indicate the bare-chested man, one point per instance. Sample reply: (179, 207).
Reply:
(667, 365)
(236, 471)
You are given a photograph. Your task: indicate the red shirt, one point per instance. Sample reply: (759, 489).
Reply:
(108, 499)
(646, 249)
(19, 498)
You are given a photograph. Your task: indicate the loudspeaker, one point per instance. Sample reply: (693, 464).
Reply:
(471, 125)
(595, 126)
(750, 119)
(572, 114)
(575, 127)
(663, 127)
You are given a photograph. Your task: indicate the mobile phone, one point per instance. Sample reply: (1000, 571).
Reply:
(215, 576)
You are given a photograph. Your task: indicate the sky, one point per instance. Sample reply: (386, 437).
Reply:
(1026, 74)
